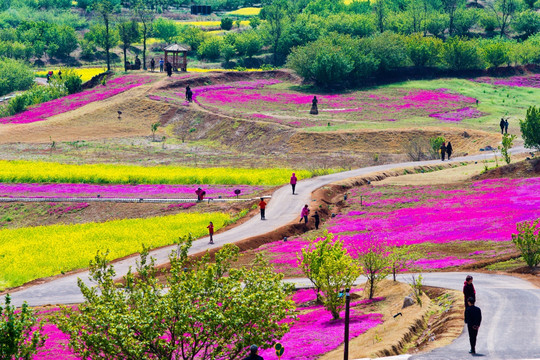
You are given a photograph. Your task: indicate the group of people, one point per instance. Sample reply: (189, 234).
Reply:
(504, 125)
(50, 74)
(446, 149)
(161, 65)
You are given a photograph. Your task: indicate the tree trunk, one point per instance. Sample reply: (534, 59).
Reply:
(107, 45)
(335, 314)
(144, 46)
(125, 58)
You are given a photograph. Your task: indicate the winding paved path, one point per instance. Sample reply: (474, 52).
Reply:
(511, 307)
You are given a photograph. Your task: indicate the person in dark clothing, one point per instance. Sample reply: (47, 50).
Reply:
(468, 289)
(314, 110)
(317, 220)
(443, 150)
(501, 124)
(506, 126)
(169, 69)
(253, 350)
(152, 65)
(473, 318)
(188, 89)
(449, 149)
(262, 206)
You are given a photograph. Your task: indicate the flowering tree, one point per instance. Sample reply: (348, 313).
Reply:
(203, 314)
(19, 335)
(331, 269)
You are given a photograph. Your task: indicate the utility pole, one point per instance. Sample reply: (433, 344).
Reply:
(347, 310)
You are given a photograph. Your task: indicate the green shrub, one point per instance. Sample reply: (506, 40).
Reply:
(226, 24)
(14, 76)
(496, 52)
(210, 48)
(18, 104)
(254, 22)
(530, 128)
(72, 81)
(165, 29)
(460, 54)
(527, 240)
(227, 51)
(464, 20)
(423, 51)
(488, 21)
(248, 43)
(390, 50)
(437, 24)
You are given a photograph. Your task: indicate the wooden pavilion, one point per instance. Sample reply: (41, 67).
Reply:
(177, 55)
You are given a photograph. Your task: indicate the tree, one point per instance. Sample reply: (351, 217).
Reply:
(210, 48)
(165, 29)
(375, 266)
(275, 17)
(227, 51)
(105, 8)
(460, 54)
(103, 38)
(435, 144)
(248, 43)
(530, 128)
(496, 53)
(226, 23)
(527, 240)
(507, 143)
(390, 49)
(331, 269)
(14, 76)
(450, 7)
(20, 332)
(145, 16)
(503, 10)
(128, 33)
(154, 128)
(72, 81)
(400, 257)
(380, 9)
(209, 311)
(423, 51)
(527, 23)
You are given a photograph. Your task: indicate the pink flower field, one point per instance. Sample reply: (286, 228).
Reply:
(483, 213)
(517, 81)
(45, 110)
(267, 100)
(127, 191)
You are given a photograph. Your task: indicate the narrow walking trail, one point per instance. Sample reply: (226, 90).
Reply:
(281, 210)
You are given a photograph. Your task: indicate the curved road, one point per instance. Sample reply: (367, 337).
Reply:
(511, 329)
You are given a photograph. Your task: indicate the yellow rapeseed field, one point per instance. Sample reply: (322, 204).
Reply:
(39, 171)
(35, 252)
(85, 73)
(209, 23)
(247, 11)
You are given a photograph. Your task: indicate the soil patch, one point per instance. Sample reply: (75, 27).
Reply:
(522, 169)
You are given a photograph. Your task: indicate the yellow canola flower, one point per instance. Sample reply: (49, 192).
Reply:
(247, 11)
(40, 171)
(31, 253)
(209, 23)
(85, 73)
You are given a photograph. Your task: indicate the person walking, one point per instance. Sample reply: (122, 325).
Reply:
(473, 319)
(200, 194)
(317, 220)
(152, 65)
(253, 350)
(304, 214)
(211, 232)
(468, 289)
(506, 126)
(262, 206)
(293, 182)
(449, 150)
(161, 63)
(501, 124)
(168, 67)
(443, 150)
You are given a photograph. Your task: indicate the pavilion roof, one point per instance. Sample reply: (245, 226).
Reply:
(177, 48)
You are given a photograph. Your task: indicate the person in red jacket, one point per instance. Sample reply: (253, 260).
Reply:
(211, 232)
(262, 206)
(468, 290)
(293, 182)
(200, 194)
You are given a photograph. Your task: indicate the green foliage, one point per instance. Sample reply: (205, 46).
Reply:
(226, 24)
(390, 50)
(527, 23)
(527, 241)
(210, 309)
(275, 26)
(496, 52)
(248, 43)
(14, 76)
(488, 21)
(399, 257)
(374, 266)
(464, 20)
(227, 51)
(165, 29)
(210, 48)
(423, 51)
(128, 33)
(507, 143)
(72, 81)
(435, 144)
(530, 128)
(331, 269)
(98, 35)
(154, 128)
(460, 54)
(437, 24)
(254, 22)
(192, 36)
(416, 287)
(20, 332)
(362, 25)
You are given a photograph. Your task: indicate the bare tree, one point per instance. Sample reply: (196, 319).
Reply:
(504, 11)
